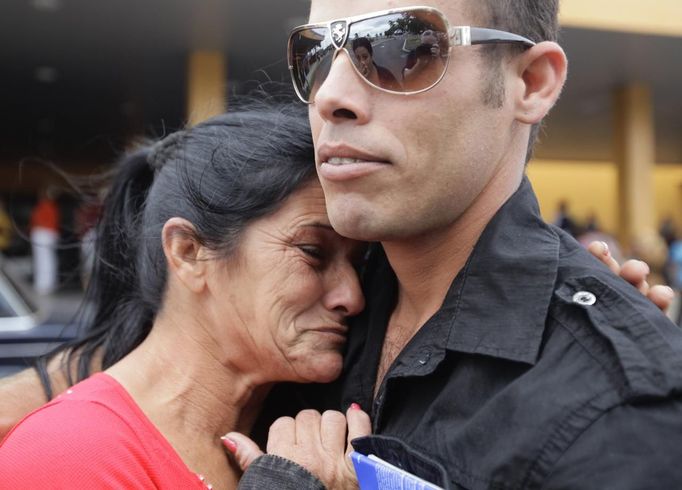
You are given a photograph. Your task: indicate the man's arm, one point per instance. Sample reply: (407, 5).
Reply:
(19, 395)
(23, 392)
(631, 447)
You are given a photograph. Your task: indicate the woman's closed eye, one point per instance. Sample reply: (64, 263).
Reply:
(313, 251)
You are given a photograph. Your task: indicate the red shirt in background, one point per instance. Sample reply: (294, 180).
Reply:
(45, 215)
(92, 436)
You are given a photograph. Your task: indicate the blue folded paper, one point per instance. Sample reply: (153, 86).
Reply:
(376, 474)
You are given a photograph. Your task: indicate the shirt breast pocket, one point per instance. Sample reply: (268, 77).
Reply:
(397, 453)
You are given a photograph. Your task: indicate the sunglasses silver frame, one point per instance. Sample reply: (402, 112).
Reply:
(458, 35)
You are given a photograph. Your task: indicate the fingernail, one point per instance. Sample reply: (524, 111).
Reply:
(672, 291)
(229, 444)
(606, 248)
(355, 406)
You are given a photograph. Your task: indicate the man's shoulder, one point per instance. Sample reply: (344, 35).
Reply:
(634, 445)
(619, 328)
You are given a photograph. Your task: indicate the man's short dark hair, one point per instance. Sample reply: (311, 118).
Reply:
(535, 19)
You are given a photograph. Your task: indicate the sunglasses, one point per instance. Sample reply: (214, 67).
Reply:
(400, 51)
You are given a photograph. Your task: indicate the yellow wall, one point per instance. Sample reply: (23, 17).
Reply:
(592, 187)
(662, 17)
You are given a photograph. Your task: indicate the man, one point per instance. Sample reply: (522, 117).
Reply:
(494, 352)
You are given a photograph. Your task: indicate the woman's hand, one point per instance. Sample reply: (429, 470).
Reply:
(635, 272)
(318, 442)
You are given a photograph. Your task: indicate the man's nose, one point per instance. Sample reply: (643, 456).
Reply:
(343, 96)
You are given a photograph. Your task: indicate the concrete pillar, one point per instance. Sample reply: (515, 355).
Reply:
(206, 85)
(635, 155)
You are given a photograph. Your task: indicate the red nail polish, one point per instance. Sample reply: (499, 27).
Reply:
(229, 444)
(355, 406)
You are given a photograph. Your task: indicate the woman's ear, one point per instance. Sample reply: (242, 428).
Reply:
(542, 73)
(184, 253)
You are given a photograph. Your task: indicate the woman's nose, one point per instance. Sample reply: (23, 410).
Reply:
(345, 294)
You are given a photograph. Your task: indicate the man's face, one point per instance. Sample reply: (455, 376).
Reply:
(394, 167)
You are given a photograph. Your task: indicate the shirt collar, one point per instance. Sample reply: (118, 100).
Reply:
(507, 284)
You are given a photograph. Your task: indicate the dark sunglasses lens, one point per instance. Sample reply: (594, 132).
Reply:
(401, 52)
(311, 57)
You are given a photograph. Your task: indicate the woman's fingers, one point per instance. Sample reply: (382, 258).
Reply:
(661, 296)
(282, 435)
(601, 251)
(359, 424)
(635, 272)
(319, 443)
(333, 430)
(308, 428)
(243, 449)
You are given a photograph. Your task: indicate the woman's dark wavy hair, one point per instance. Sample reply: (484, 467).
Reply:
(220, 175)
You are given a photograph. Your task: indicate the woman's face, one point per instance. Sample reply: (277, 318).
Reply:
(290, 288)
(365, 60)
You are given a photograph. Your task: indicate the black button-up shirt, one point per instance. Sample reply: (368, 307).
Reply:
(542, 369)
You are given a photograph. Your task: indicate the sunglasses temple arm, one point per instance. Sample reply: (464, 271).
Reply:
(482, 35)
(466, 36)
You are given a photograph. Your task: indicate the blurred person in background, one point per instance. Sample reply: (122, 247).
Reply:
(87, 216)
(6, 228)
(564, 220)
(667, 230)
(44, 240)
(674, 275)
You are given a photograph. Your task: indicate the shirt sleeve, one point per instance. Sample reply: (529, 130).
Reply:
(270, 471)
(90, 447)
(635, 446)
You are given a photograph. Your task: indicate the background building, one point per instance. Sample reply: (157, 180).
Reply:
(83, 79)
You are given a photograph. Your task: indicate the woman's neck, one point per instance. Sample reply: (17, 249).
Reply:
(189, 394)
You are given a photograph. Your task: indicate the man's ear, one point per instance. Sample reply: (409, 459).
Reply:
(542, 74)
(184, 253)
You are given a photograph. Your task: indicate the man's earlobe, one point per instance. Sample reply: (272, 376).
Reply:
(183, 253)
(543, 73)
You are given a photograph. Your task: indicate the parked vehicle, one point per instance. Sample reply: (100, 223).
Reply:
(26, 330)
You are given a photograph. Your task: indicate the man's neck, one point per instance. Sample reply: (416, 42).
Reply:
(426, 266)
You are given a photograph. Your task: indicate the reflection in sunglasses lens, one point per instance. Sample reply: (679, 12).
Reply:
(399, 52)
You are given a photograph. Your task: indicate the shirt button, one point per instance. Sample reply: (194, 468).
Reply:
(424, 359)
(584, 298)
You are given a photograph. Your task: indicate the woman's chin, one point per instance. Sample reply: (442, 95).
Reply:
(322, 367)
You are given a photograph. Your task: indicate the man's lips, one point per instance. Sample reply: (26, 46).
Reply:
(344, 163)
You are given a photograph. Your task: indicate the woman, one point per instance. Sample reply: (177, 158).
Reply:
(218, 275)
(364, 60)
